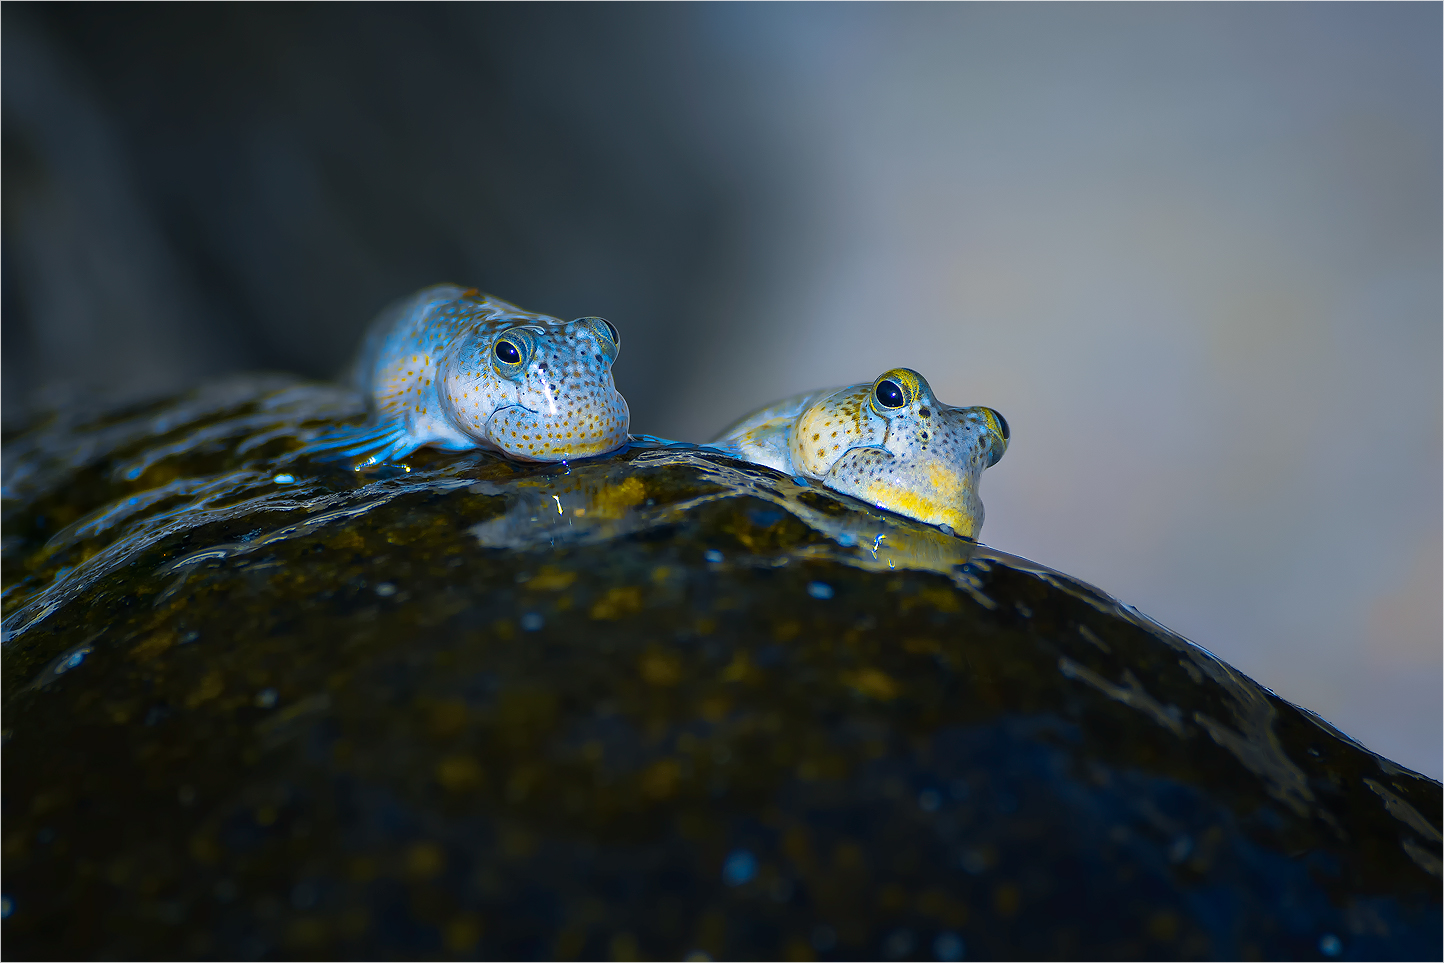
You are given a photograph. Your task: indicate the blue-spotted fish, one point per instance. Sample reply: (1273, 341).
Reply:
(455, 369)
(891, 443)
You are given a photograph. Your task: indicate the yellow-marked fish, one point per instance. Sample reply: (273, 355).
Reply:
(890, 443)
(456, 369)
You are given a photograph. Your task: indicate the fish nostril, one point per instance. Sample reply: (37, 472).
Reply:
(925, 412)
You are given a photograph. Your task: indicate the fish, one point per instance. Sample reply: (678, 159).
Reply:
(455, 369)
(890, 443)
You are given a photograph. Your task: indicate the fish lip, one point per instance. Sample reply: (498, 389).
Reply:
(882, 448)
(492, 417)
(509, 408)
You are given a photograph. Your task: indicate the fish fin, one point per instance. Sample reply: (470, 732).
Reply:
(371, 443)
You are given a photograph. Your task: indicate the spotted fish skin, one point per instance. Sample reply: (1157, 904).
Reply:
(456, 369)
(890, 443)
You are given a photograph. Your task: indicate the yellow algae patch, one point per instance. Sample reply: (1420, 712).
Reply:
(210, 687)
(614, 500)
(714, 708)
(873, 683)
(149, 648)
(424, 861)
(786, 630)
(463, 933)
(447, 718)
(459, 773)
(944, 600)
(739, 669)
(659, 780)
(618, 602)
(551, 579)
(661, 668)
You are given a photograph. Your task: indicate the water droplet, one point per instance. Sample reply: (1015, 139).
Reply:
(929, 800)
(284, 479)
(532, 621)
(712, 555)
(819, 590)
(266, 698)
(385, 590)
(70, 660)
(948, 947)
(739, 868)
(6, 907)
(1330, 945)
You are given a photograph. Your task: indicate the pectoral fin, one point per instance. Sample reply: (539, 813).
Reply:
(370, 443)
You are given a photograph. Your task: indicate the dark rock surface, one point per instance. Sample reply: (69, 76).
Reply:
(641, 706)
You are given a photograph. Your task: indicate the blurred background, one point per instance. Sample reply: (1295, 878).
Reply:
(1192, 252)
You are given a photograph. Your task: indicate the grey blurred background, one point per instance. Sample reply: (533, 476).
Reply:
(1192, 252)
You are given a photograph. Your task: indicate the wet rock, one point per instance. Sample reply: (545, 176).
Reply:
(641, 706)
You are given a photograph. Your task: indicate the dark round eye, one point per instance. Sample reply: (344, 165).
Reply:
(507, 352)
(890, 394)
(1002, 423)
(611, 329)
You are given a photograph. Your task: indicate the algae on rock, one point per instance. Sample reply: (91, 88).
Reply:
(636, 706)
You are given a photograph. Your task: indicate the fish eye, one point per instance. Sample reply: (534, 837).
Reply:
(1002, 424)
(890, 394)
(602, 327)
(507, 352)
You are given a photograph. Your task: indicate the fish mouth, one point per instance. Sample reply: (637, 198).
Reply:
(516, 431)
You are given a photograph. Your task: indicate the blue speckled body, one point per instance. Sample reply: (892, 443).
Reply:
(456, 369)
(891, 443)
